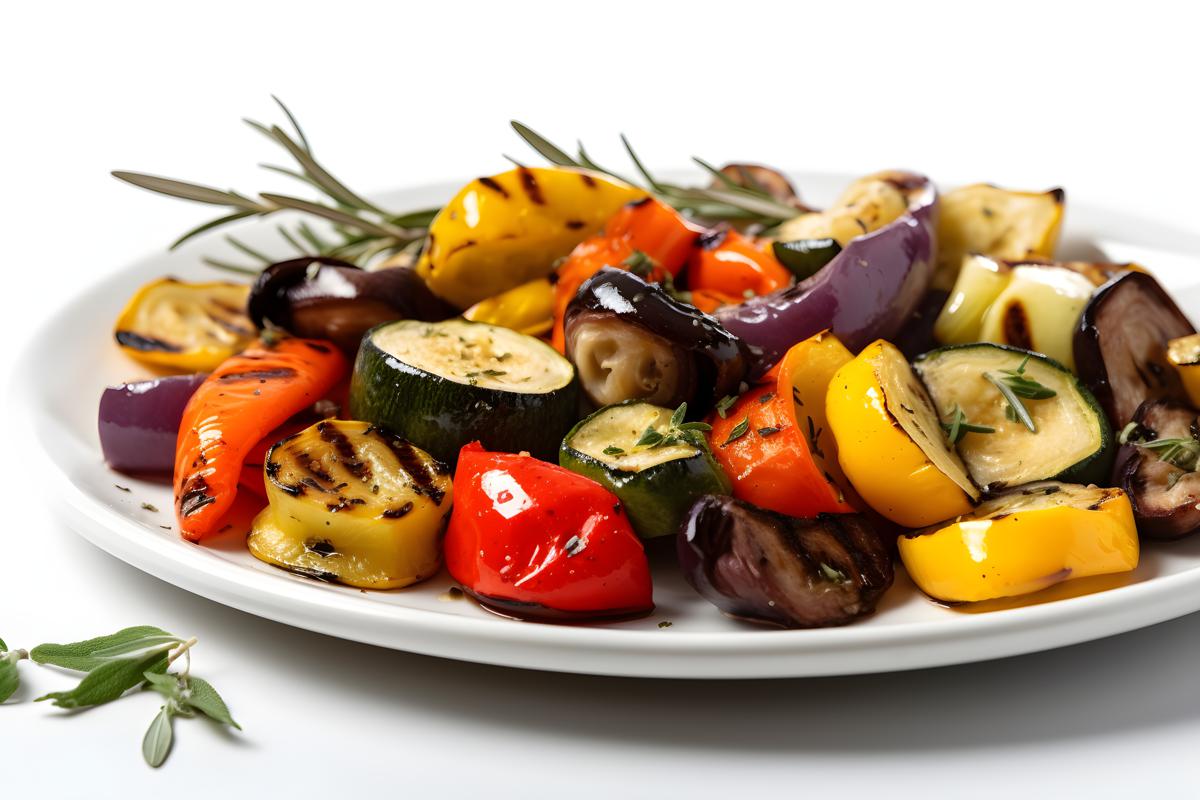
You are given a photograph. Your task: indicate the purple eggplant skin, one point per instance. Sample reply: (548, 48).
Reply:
(1121, 345)
(317, 297)
(139, 423)
(1165, 498)
(868, 291)
(788, 572)
(617, 311)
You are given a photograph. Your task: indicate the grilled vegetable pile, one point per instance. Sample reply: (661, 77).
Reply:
(560, 369)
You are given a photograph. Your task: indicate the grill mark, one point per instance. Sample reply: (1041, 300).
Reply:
(530, 185)
(411, 463)
(259, 374)
(575, 224)
(1016, 327)
(495, 187)
(588, 180)
(195, 498)
(317, 346)
(145, 344)
(232, 327)
(345, 450)
(397, 513)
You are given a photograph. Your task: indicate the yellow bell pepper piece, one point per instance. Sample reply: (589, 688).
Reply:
(1000, 223)
(890, 441)
(529, 308)
(1023, 541)
(500, 232)
(185, 327)
(1184, 355)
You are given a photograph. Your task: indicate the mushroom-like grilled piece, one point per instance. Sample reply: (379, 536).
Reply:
(768, 179)
(1121, 345)
(1157, 469)
(630, 340)
(786, 571)
(326, 298)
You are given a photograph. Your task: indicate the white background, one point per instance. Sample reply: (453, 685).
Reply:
(1099, 99)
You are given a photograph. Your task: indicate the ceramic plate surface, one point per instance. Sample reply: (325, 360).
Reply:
(73, 359)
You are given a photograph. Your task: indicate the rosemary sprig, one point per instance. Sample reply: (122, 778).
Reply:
(959, 426)
(730, 202)
(364, 232)
(1013, 385)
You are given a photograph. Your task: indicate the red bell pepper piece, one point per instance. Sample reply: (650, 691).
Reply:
(648, 226)
(243, 400)
(531, 539)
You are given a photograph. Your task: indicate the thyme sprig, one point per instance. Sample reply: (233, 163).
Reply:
(727, 201)
(358, 230)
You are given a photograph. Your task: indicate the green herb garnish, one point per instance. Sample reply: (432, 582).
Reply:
(1183, 452)
(959, 426)
(724, 404)
(738, 431)
(1014, 386)
(613, 450)
(133, 658)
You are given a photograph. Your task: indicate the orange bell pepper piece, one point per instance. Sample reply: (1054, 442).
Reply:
(243, 400)
(784, 458)
(648, 226)
(735, 266)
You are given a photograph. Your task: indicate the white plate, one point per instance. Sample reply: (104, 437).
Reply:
(73, 358)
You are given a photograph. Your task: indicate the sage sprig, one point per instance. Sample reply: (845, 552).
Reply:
(130, 659)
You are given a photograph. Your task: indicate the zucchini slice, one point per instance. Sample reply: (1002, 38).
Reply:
(1022, 541)
(353, 504)
(658, 480)
(443, 384)
(1072, 442)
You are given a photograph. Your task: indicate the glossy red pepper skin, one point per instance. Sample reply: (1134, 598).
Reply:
(534, 540)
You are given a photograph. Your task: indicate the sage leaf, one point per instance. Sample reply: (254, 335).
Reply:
(157, 742)
(9, 679)
(134, 648)
(81, 656)
(165, 683)
(204, 698)
(108, 681)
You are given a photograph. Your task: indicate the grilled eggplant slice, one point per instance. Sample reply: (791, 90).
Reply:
(326, 298)
(353, 504)
(630, 340)
(1121, 345)
(756, 176)
(1072, 440)
(786, 571)
(1157, 468)
(185, 327)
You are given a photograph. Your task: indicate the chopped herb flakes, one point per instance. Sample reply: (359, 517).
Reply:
(724, 404)
(738, 431)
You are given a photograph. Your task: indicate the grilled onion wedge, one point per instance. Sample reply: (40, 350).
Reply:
(353, 504)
